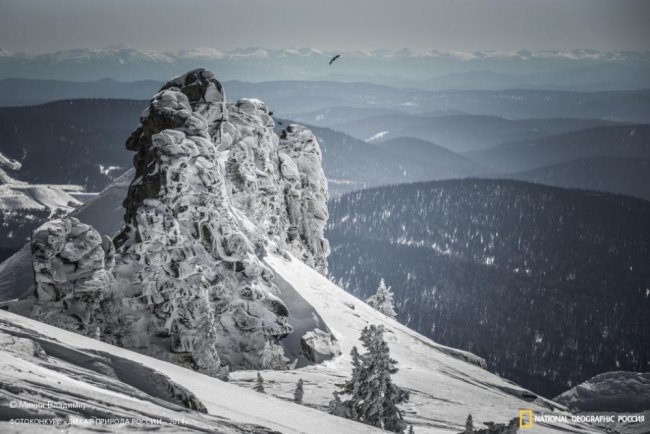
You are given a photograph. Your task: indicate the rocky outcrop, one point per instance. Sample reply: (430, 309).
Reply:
(318, 346)
(71, 263)
(214, 189)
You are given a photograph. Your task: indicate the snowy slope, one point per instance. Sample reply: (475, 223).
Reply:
(57, 380)
(619, 391)
(20, 196)
(24, 206)
(444, 388)
(23, 197)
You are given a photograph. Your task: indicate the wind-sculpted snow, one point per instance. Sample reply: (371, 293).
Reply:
(214, 189)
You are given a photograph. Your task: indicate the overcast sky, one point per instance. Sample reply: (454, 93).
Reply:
(48, 25)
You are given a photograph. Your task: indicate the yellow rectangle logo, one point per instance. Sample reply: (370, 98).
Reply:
(525, 419)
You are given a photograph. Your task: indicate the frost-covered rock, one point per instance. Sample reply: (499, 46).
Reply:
(619, 391)
(214, 189)
(318, 346)
(186, 256)
(71, 263)
(305, 195)
(278, 183)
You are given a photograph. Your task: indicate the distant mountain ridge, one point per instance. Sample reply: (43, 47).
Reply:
(443, 162)
(622, 141)
(461, 132)
(318, 102)
(21, 91)
(82, 142)
(629, 176)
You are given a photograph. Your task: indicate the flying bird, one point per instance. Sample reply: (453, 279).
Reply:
(334, 58)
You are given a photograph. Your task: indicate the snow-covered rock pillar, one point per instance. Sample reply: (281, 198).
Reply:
(187, 272)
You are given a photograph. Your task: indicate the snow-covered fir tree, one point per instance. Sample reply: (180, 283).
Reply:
(259, 384)
(373, 396)
(382, 300)
(411, 430)
(469, 425)
(299, 392)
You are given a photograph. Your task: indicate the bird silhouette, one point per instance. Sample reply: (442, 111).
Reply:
(334, 58)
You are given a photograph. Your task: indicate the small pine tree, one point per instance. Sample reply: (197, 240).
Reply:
(298, 393)
(382, 300)
(469, 425)
(411, 430)
(373, 396)
(259, 384)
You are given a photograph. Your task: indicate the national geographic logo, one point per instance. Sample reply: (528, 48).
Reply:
(527, 418)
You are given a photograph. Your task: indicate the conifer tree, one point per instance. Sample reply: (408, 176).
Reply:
(469, 425)
(259, 384)
(382, 300)
(373, 396)
(298, 393)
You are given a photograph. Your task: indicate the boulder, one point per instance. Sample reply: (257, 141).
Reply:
(317, 346)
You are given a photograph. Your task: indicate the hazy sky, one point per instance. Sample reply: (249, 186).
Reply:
(47, 25)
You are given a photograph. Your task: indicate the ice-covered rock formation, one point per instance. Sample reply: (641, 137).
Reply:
(305, 195)
(278, 182)
(214, 189)
(71, 263)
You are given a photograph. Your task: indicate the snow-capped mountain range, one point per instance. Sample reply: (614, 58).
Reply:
(434, 69)
(206, 52)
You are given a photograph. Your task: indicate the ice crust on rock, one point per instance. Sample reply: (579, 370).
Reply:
(305, 195)
(214, 190)
(71, 263)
